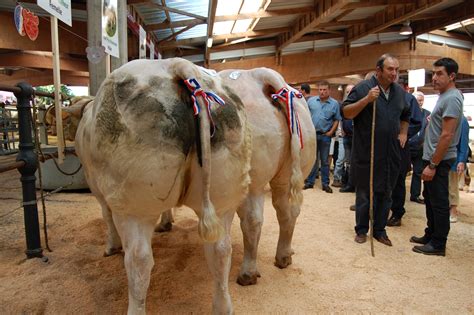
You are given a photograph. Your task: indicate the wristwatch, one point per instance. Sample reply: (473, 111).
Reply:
(432, 165)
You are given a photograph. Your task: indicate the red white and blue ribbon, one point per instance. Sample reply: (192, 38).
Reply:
(292, 118)
(195, 88)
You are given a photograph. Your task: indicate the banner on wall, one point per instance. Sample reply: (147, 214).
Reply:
(58, 8)
(142, 47)
(110, 27)
(152, 50)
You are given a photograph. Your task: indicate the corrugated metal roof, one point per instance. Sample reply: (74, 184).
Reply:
(285, 4)
(276, 21)
(314, 45)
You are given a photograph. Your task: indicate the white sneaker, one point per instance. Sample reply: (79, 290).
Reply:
(453, 218)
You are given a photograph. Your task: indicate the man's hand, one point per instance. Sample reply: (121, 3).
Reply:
(373, 94)
(460, 168)
(428, 174)
(403, 139)
(329, 133)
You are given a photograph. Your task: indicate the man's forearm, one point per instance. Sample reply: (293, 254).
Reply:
(443, 145)
(333, 128)
(404, 127)
(352, 110)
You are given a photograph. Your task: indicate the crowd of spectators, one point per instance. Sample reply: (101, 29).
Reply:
(432, 146)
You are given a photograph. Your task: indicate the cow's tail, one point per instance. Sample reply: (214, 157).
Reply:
(210, 228)
(276, 81)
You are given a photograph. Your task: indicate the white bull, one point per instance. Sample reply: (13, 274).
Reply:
(137, 142)
(276, 159)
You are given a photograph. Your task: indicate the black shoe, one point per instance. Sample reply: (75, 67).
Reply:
(394, 221)
(417, 200)
(420, 240)
(308, 186)
(347, 189)
(428, 249)
(384, 240)
(327, 189)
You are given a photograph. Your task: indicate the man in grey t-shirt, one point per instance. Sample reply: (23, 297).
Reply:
(439, 152)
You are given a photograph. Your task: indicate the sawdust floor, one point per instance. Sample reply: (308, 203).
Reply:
(330, 272)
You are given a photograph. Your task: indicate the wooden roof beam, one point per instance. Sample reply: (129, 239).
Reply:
(393, 14)
(324, 10)
(375, 3)
(168, 9)
(199, 40)
(224, 18)
(210, 27)
(454, 14)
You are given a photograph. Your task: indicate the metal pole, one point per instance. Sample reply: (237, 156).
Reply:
(28, 178)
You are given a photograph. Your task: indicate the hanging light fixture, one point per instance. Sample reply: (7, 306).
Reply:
(406, 29)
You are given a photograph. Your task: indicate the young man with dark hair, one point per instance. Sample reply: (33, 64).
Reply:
(391, 128)
(439, 153)
(305, 90)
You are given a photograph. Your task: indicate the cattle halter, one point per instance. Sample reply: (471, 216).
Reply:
(291, 115)
(195, 88)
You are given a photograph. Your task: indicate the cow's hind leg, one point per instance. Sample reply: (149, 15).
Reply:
(114, 244)
(251, 220)
(218, 256)
(166, 222)
(286, 215)
(136, 234)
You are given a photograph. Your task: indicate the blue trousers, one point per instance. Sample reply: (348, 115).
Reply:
(322, 149)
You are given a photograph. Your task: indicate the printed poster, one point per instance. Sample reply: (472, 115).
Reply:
(142, 47)
(58, 8)
(110, 27)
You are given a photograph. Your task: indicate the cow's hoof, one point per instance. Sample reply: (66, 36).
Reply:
(112, 251)
(164, 228)
(248, 279)
(283, 262)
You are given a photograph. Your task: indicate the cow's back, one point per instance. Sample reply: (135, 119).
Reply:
(138, 140)
(271, 152)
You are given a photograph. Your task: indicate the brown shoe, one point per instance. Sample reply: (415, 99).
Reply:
(384, 240)
(336, 183)
(352, 208)
(360, 238)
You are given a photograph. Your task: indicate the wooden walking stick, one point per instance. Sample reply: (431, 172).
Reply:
(371, 181)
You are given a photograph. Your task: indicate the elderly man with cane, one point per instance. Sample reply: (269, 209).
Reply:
(390, 132)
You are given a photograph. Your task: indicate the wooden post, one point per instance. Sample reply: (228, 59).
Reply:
(57, 88)
(94, 37)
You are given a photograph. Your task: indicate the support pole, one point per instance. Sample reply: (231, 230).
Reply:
(57, 87)
(97, 72)
(28, 178)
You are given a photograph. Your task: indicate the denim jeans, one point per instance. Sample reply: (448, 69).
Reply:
(323, 144)
(339, 168)
(382, 203)
(436, 195)
(417, 162)
(347, 159)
